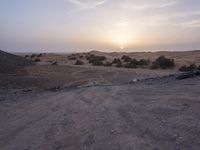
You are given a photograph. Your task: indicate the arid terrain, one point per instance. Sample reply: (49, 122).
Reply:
(53, 104)
(181, 58)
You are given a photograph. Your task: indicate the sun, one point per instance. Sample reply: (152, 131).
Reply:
(122, 41)
(122, 36)
(122, 47)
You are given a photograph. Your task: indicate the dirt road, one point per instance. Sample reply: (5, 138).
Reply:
(156, 116)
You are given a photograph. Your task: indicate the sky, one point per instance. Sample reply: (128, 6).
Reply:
(106, 25)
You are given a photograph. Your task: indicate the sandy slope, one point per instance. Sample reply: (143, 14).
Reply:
(146, 116)
(13, 64)
(46, 76)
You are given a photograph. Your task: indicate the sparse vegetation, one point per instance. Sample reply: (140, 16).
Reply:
(54, 63)
(163, 63)
(96, 60)
(72, 57)
(183, 68)
(37, 60)
(79, 62)
(88, 56)
(81, 56)
(192, 67)
(119, 65)
(117, 62)
(39, 55)
(33, 56)
(144, 62)
(134, 63)
(126, 58)
(131, 64)
(107, 64)
(154, 65)
(102, 58)
(125, 61)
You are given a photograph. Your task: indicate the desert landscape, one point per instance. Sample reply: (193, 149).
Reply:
(100, 101)
(99, 74)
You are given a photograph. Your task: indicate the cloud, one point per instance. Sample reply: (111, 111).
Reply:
(87, 4)
(152, 5)
(190, 24)
(186, 14)
(122, 24)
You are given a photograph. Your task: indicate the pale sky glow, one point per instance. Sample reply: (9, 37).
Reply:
(107, 25)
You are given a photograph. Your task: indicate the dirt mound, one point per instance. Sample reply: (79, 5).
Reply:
(10, 63)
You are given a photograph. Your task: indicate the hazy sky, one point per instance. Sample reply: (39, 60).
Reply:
(109, 25)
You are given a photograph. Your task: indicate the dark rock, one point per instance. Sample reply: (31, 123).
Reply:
(197, 73)
(186, 75)
(55, 89)
(27, 90)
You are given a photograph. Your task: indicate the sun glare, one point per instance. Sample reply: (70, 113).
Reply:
(122, 41)
(122, 35)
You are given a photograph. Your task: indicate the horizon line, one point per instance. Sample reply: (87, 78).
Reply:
(103, 51)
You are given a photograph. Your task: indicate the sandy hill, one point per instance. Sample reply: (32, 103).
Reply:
(181, 57)
(10, 63)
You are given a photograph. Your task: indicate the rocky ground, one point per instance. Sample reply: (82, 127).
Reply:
(159, 113)
(46, 107)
